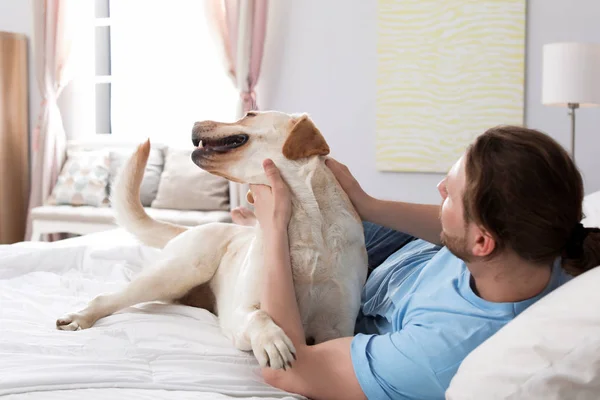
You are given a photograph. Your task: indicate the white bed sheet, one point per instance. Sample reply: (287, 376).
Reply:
(151, 351)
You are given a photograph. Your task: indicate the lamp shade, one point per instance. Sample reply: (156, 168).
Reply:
(571, 74)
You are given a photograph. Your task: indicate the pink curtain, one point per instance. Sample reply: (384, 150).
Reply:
(241, 27)
(52, 39)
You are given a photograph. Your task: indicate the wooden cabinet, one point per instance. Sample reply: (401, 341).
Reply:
(14, 137)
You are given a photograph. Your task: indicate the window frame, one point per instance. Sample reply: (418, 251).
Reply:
(102, 113)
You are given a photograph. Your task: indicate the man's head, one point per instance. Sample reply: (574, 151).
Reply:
(236, 150)
(515, 189)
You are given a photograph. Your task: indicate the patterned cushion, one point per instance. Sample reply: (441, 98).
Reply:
(83, 180)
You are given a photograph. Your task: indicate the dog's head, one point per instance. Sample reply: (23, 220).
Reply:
(236, 150)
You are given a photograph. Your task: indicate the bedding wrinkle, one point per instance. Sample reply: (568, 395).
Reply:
(149, 351)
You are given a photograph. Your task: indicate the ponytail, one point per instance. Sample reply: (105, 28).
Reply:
(582, 251)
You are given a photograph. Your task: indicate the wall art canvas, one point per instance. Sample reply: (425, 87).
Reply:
(447, 71)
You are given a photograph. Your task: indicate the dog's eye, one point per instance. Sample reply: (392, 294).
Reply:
(251, 114)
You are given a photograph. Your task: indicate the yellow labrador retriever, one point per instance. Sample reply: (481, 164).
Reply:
(219, 266)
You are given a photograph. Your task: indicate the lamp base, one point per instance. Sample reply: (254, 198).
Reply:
(572, 108)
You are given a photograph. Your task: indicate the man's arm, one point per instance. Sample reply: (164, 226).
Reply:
(279, 295)
(323, 371)
(393, 365)
(419, 220)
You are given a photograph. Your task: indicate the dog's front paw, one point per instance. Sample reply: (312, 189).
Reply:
(273, 348)
(72, 322)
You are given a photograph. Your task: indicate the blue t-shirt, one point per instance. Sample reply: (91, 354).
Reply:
(420, 318)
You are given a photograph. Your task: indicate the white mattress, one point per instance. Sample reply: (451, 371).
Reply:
(152, 351)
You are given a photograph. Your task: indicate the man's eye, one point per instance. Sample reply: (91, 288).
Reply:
(250, 114)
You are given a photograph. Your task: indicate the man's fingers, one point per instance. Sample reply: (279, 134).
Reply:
(335, 165)
(273, 175)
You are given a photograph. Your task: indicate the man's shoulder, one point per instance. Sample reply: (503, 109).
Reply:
(445, 345)
(421, 357)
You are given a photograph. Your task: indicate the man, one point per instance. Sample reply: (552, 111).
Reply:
(444, 279)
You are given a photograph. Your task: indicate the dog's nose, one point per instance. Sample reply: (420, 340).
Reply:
(195, 138)
(201, 128)
(196, 130)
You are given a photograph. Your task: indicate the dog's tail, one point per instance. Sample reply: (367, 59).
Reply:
(128, 209)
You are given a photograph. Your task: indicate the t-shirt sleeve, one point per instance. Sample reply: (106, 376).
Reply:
(394, 366)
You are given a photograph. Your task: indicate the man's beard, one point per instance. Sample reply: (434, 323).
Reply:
(457, 246)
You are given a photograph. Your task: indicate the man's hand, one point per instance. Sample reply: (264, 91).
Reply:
(359, 198)
(272, 205)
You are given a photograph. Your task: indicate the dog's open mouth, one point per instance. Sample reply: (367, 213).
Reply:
(220, 145)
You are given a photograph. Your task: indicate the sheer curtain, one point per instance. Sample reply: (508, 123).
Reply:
(241, 27)
(166, 71)
(55, 23)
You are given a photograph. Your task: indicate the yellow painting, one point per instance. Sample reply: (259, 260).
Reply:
(447, 71)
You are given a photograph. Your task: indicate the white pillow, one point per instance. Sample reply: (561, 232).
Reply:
(550, 351)
(591, 209)
(185, 186)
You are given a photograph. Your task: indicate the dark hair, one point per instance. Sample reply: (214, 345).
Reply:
(523, 188)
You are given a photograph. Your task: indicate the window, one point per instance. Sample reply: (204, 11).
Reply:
(159, 68)
(102, 76)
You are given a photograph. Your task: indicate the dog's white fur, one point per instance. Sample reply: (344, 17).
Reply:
(329, 261)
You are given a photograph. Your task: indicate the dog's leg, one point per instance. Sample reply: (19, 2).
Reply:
(168, 280)
(269, 343)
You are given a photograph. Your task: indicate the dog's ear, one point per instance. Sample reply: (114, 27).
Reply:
(305, 140)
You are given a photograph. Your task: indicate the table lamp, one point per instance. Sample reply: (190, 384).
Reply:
(571, 78)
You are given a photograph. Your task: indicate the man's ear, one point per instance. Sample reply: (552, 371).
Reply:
(304, 140)
(485, 243)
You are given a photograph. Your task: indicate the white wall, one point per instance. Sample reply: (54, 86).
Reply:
(321, 59)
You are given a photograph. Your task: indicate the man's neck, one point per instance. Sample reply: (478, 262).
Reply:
(509, 278)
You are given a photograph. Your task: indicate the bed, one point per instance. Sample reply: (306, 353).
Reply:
(150, 351)
(163, 352)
